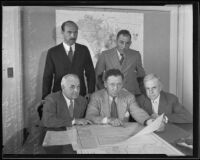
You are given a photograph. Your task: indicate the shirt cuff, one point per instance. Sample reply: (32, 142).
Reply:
(105, 120)
(166, 119)
(73, 121)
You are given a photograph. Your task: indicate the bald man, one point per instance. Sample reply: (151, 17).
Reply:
(65, 108)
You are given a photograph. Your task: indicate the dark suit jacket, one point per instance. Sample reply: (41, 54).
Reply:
(56, 113)
(169, 105)
(58, 65)
(99, 107)
(131, 68)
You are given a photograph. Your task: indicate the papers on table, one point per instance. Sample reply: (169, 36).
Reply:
(152, 127)
(56, 138)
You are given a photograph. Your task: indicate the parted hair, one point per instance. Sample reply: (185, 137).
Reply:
(113, 72)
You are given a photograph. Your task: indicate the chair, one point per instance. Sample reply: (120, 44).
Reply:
(40, 109)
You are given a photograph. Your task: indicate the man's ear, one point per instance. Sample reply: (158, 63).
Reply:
(105, 84)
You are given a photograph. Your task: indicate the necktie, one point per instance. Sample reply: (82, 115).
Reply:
(122, 59)
(71, 108)
(70, 54)
(114, 109)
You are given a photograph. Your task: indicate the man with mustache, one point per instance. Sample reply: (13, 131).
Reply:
(68, 57)
(65, 108)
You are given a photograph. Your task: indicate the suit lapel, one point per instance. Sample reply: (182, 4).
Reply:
(105, 104)
(62, 50)
(63, 104)
(148, 105)
(76, 52)
(121, 108)
(114, 59)
(127, 62)
(77, 108)
(162, 103)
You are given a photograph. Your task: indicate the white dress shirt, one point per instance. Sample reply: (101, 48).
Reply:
(67, 47)
(119, 55)
(105, 119)
(68, 104)
(155, 107)
(155, 104)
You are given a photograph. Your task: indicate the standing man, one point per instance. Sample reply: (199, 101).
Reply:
(113, 104)
(128, 61)
(68, 57)
(156, 102)
(65, 108)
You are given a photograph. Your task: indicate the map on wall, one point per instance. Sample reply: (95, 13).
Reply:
(98, 28)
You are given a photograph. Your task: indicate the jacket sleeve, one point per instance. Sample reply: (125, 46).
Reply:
(93, 110)
(99, 70)
(139, 114)
(50, 118)
(179, 113)
(47, 76)
(89, 72)
(139, 67)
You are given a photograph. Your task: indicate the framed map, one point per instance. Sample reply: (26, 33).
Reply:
(98, 28)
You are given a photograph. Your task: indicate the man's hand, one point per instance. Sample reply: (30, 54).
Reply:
(115, 122)
(82, 121)
(162, 125)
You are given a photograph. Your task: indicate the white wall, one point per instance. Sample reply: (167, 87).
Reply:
(185, 57)
(12, 87)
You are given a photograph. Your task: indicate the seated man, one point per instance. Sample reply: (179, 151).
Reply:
(65, 108)
(113, 104)
(156, 102)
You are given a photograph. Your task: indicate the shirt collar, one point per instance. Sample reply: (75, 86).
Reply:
(156, 100)
(67, 100)
(118, 53)
(67, 47)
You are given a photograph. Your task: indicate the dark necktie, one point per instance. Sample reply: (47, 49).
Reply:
(114, 109)
(70, 54)
(122, 59)
(71, 108)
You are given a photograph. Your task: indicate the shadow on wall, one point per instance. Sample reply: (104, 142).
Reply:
(14, 144)
(34, 114)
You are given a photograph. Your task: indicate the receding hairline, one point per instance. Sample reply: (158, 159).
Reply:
(68, 76)
(151, 77)
(68, 23)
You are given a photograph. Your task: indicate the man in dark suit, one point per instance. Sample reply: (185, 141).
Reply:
(156, 102)
(127, 60)
(114, 104)
(65, 108)
(68, 57)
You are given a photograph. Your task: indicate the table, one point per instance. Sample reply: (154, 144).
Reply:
(171, 134)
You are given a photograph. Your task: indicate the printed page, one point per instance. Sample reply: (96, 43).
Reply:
(56, 138)
(151, 128)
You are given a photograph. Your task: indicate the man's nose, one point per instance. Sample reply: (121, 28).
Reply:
(76, 90)
(151, 91)
(73, 35)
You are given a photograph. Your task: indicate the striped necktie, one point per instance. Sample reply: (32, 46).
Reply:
(71, 108)
(114, 113)
(70, 54)
(122, 59)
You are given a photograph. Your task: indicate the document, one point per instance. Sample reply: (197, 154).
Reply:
(152, 127)
(56, 138)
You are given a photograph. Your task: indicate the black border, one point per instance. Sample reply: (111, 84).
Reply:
(196, 75)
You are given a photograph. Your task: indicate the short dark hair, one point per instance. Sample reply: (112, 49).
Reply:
(68, 22)
(123, 32)
(113, 72)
